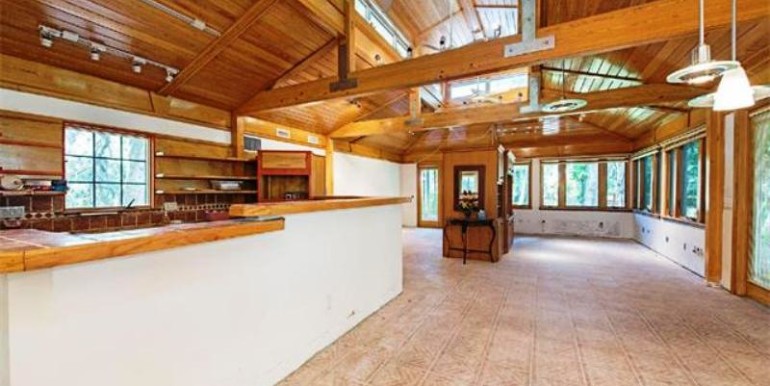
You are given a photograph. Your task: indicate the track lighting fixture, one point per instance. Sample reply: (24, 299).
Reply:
(96, 49)
(564, 104)
(137, 64)
(46, 40)
(95, 54)
(170, 74)
(47, 35)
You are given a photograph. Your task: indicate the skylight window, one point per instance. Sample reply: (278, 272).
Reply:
(487, 86)
(383, 25)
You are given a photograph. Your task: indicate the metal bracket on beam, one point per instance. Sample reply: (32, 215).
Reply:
(529, 41)
(343, 84)
(534, 96)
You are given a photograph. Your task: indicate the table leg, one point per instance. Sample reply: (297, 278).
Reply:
(465, 242)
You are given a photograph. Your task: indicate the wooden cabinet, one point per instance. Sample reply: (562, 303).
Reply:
(289, 175)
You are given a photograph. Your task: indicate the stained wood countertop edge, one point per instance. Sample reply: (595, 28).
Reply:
(307, 206)
(91, 248)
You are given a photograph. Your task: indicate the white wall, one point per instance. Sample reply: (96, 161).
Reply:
(361, 176)
(5, 377)
(409, 189)
(681, 243)
(237, 312)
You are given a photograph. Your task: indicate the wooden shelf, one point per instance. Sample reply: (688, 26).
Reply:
(223, 178)
(203, 158)
(17, 193)
(206, 191)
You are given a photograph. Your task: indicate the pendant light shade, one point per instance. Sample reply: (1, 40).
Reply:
(734, 91)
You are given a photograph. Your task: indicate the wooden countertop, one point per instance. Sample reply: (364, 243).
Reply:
(28, 249)
(316, 205)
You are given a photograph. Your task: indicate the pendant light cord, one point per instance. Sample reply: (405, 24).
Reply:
(702, 22)
(734, 30)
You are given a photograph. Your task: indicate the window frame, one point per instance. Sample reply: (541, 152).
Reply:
(639, 179)
(674, 191)
(601, 184)
(150, 164)
(528, 205)
(439, 192)
(372, 13)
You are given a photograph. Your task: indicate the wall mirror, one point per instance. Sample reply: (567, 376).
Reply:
(469, 186)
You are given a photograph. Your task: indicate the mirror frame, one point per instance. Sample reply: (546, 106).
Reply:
(481, 169)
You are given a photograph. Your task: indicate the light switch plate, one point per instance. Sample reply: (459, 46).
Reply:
(170, 206)
(12, 212)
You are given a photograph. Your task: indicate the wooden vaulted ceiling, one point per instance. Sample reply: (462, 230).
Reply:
(279, 43)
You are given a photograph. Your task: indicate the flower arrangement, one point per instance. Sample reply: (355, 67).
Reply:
(468, 203)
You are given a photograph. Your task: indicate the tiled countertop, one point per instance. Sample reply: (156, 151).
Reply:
(29, 249)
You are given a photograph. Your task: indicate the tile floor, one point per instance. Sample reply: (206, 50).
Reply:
(557, 311)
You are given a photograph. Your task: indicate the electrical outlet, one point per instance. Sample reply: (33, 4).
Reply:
(170, 206)
(12, 212)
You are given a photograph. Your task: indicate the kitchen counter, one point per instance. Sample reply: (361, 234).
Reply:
(315, 205)
(29, 249)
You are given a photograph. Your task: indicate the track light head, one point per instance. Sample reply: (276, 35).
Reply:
(46, 40)
(95, 55)
(170, 74)
(137, 64)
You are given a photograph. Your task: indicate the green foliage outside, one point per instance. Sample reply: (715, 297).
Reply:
(759, 267)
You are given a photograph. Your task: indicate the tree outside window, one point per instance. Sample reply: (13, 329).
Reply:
(582, 184)
(520, 196)
(550, 184)
(616, 184)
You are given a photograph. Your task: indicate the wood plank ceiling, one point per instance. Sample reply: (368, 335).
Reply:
(287, 44)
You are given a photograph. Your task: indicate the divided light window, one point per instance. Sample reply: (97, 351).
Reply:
(582, 184)
(616, 184)
(383, 25)
(645, 183)
(521, 186)
(105, 169)
(685, 185)
(550, 184)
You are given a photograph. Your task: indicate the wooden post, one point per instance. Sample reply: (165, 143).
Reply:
(715, 170)
(330, 167)
(743, 195)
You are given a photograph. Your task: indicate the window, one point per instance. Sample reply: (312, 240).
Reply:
(691, 180)
(383, 25)
(105, 169)
(550, 177)
(759, 263)
(582, 184)
(616, 184)
(684, 181)
(520, 186)
(671, 190)
(429, 194)
(647, 183)
(486, 86)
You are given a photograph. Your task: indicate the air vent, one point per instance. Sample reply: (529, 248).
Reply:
(283, 133)
(251, 143)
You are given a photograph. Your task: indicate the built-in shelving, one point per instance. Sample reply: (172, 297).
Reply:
(206, 191)
(203, 158)
(223, 178)
(18, 193)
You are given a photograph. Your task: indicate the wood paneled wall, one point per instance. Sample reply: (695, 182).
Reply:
(24, 75)
(31, 145)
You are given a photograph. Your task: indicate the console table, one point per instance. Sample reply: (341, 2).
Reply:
(464, 224)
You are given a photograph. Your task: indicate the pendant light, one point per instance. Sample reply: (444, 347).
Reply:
(703, 69)
(564, 105)
(734, 90)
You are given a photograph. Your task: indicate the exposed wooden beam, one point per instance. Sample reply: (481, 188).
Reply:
(643, 24)
(506, 112)
(233, 33)
(715, 168)
(350, 36)
(305, 63)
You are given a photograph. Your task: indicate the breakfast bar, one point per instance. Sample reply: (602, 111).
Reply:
(302, 272)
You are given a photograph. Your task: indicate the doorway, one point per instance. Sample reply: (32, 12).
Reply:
(428, 196)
